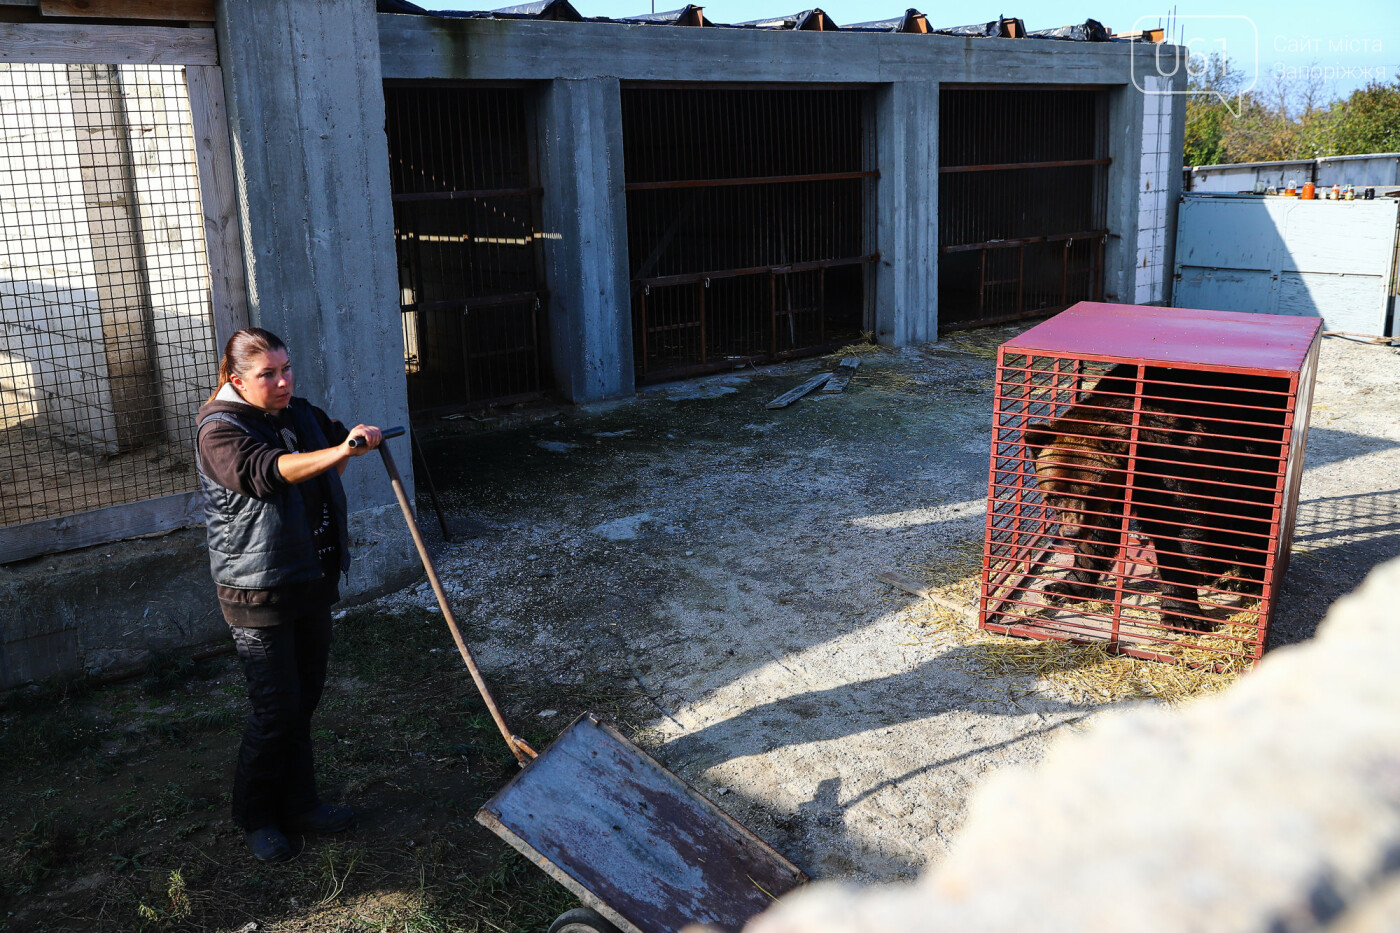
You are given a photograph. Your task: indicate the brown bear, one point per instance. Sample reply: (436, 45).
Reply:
(1204, 479)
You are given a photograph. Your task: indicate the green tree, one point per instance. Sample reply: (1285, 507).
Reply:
(1207, 115)
(1367, 121)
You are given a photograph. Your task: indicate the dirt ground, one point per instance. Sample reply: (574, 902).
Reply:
(696, 568)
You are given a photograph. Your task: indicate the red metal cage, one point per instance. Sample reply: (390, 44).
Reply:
(1144, 478)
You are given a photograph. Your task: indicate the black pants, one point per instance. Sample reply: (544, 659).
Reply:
(286, 669)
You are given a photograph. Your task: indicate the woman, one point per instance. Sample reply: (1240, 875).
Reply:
(270, 465)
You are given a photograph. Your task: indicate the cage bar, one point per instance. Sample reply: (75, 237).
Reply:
(1022, 202)
(746, 217)
(1145, 465)
(106, 329)
(467, 222)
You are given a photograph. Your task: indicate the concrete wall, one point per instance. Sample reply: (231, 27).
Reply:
(1274, 806)
(305, 101)
(585, 64)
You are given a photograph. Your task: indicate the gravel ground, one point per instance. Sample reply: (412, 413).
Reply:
(720, 558)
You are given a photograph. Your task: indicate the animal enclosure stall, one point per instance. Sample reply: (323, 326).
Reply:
(1022, 202)
(107, 343)
(466, 224)
(746, 224)
(1145, 466)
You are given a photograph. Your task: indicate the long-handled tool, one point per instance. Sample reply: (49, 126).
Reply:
(643, 849)
(518, 747)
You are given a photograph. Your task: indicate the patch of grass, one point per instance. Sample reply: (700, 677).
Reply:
(166, 671)
(37, 852)
(47, 737)
(176, 909)
(371, 645)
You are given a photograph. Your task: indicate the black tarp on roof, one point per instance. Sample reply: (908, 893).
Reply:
(1004, 28)
(1091, 30)
(690, 15)
(912, 22)
(814, 20)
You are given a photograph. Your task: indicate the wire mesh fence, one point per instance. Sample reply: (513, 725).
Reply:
(746, 223)
(106, 332)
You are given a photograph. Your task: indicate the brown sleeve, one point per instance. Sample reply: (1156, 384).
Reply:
(236, 460)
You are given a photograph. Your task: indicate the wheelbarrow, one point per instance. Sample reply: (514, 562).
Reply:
(641, 849)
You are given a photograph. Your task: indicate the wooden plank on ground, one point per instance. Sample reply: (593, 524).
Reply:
(792, 395)
(842, 376)
(170, 10)
(908, 584)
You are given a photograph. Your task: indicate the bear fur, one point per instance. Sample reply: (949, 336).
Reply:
(1205, 479)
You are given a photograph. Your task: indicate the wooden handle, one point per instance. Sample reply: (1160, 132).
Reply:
(522, 752)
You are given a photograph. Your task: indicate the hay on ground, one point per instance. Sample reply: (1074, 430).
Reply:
(1089, 673)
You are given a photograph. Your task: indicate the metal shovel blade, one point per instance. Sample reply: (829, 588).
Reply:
(632, 840)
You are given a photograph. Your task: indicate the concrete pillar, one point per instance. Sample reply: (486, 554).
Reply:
(906, 281)
(1147, 128)
(1125, 146)
(306, 117)
(585, 239)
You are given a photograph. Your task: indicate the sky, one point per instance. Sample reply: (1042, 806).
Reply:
(1342, 45)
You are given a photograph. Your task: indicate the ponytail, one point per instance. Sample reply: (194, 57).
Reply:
(240, 350)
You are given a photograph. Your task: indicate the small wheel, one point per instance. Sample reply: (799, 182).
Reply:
(581, 920)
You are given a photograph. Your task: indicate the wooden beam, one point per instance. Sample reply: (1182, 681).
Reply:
(223, 240)
(83, 44)
(178, 11)
(843, 374)
(100, 526)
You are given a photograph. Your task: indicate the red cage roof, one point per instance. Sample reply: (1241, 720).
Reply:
(1217, 339)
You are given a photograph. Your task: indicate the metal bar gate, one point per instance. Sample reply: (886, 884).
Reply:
(745, 219)
(1021, 202)
(466, 224)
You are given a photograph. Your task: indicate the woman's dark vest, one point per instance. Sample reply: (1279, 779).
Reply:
(257, 544)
